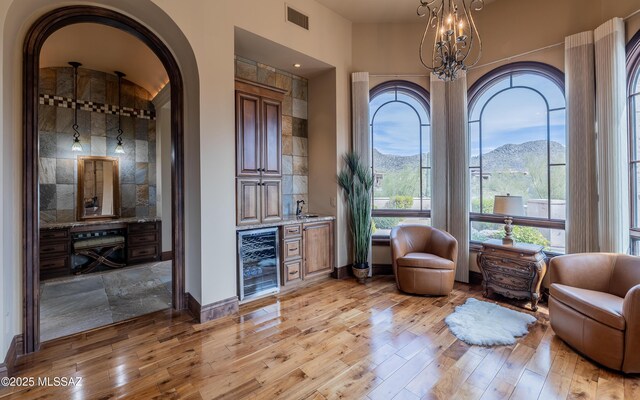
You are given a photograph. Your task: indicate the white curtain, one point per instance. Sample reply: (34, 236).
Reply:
(360, 120)
(360, 116)
(582, 182)
(612, 140)
(450, 143)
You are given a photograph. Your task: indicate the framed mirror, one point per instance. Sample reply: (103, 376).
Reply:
(98, 188)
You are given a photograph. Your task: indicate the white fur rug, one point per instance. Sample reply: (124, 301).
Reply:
(486, 324)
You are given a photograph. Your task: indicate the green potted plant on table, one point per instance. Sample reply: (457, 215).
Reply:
(356, 182)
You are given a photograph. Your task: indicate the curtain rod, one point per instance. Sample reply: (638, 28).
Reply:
(489, 63)
(517, 55)
(540, 49)
(632, 14)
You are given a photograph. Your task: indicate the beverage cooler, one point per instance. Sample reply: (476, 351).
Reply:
(258, 261)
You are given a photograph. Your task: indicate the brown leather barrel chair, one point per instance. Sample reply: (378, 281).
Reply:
(595, 307)
(424, 259)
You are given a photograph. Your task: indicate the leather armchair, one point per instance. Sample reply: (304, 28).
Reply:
(424, 259)
(595, 307)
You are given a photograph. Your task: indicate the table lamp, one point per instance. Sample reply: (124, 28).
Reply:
(508, 206)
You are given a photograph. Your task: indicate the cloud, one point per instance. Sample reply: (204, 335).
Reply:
(514, 116)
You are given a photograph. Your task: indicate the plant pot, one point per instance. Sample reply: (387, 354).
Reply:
(360, 271)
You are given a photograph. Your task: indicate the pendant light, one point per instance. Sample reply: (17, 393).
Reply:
(119, 148)
(76, 146)
(456, 41)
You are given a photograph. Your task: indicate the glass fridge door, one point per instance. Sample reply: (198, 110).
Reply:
(259, 262)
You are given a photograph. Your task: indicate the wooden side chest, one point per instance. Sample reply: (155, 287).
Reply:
(515, 271)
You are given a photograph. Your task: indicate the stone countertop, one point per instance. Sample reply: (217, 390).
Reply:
(73, 224)
(287, 220)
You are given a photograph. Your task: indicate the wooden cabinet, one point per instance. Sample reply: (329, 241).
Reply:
(258, 153)
(248, 197)
(291, 254)
(248, 157)
(143, 242)
(55, 249)
(292, 271)
(318, 248)
(271, 137)
(307, 251)
(258, 131)
(258, 200)
(271, 195)
(514, 271)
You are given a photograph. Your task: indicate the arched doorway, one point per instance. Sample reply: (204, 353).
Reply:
(34, 41)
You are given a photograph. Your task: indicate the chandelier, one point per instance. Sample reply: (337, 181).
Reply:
(456, 42)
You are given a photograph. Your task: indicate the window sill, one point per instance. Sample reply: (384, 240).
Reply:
(474, 246)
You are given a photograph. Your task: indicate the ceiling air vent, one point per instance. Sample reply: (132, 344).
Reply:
(298, 18)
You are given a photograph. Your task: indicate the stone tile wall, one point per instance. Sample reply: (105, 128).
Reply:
(98, 131)
(295, 166)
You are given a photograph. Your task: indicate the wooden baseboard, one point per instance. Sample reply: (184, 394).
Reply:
(212, 311)
(342, 272)
(15, 350)
(376, 269)
(475, 277)
(166, 255)
(381, 269)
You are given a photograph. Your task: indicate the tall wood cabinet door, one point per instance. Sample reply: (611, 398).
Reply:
(248, 201)
(318, 248)
(248, 136)
(271, 138)
(271, 200)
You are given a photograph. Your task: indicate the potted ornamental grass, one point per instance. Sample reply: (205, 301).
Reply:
(356, 182)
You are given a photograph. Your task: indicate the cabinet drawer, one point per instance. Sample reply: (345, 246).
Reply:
(292, 249)
(292, 270)
(145, 238)
(54, 263)
(145, 252)
(292, 231)
(509, 266)
(49, 249)
(54, 234)
(143, 227)
(509, 282)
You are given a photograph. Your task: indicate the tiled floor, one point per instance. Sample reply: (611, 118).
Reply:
(85, 302)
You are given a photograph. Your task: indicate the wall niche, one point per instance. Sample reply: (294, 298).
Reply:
(98, 126)
(295, 161)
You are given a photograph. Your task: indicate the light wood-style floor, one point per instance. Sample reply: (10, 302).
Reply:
(336, 339)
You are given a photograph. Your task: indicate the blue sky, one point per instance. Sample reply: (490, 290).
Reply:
(514, 116)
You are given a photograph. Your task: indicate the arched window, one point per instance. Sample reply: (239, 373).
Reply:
(401, 155)
(517, 146)
(633, 90)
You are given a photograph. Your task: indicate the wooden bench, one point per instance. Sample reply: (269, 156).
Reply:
(98, 249)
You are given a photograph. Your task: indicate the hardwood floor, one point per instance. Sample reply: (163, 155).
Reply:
(337, 339)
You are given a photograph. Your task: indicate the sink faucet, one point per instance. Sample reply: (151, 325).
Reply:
(299, 205)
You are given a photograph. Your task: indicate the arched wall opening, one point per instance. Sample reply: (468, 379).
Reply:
(19, 300)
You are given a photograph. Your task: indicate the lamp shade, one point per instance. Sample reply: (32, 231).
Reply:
(508, 205)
